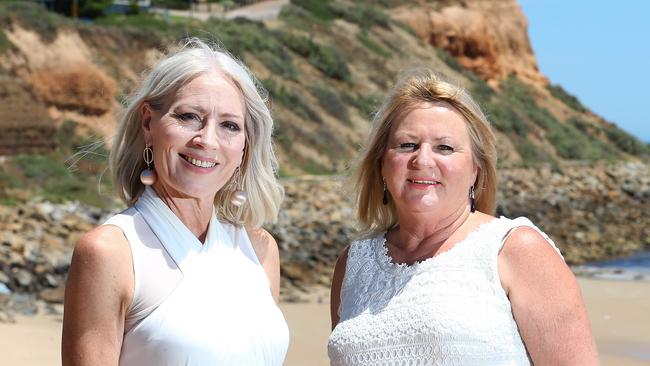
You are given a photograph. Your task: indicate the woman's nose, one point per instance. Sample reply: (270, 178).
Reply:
(207, 137)
(424, 156)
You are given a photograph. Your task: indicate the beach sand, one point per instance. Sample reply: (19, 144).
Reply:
(619, 312)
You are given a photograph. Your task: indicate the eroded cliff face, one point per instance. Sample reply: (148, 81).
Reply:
(489, 37)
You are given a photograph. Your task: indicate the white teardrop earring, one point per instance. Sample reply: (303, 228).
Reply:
(148, 176)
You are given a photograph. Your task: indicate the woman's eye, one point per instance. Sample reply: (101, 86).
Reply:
(189, 118)
(445, 148)
(408, 146)
(231, 126)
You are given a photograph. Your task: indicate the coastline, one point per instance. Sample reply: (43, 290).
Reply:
(619, 313)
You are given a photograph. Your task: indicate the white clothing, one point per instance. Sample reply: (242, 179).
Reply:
(193, 303)
(449, 309)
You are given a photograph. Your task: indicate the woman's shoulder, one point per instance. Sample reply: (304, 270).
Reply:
(523, 240)
(103, 241)
(261, 239)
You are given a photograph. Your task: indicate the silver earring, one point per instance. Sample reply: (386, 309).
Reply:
(472, 199)
(238, 197)
(148, 176)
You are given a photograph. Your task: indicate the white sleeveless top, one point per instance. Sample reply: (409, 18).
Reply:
(446, 310)
(195, 304)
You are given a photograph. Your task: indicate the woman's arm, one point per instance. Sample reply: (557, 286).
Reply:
(337, 283)
(98, 290)
(268, 254)
(546, 301)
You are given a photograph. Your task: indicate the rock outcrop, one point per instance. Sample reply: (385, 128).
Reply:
(591, 213)
(488, 37)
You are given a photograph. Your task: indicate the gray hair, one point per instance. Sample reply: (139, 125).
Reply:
(259, 165)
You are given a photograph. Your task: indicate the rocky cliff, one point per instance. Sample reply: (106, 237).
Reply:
(591, 213)
(326, 65)
(487, 37)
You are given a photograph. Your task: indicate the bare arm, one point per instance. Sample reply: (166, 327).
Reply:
(337, 283)
(546, 301)
(268, 254)
(98, 290)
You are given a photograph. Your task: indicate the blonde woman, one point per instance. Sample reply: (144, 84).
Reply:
(438, 280)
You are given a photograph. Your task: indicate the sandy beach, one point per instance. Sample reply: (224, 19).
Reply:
(619, 312)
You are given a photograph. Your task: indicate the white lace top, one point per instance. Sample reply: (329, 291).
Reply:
(447, 310)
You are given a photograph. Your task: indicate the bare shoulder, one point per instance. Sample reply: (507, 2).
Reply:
(337, 284)
(102, 240)
(527, 258)
(98, 290)
(546, 301)
(264, 244)
(341, 261)
(525, 244)
(104, 251)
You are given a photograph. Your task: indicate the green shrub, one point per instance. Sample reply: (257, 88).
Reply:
(94, 8)
(366, 104)
(448, 59)
(405, 27)
(331, 102)
(363, 14)
(372, 45)
(558, 92)
(172, 4)
(320, 9)
(571, 143)
(282, 67)
(625, 141)
(33, 16)
(294, 102)
(324, 58)
(529, 152)
(5, 43)
(506, 119)
(71, 172)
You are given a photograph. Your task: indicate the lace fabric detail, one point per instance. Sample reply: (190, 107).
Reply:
(449, 309)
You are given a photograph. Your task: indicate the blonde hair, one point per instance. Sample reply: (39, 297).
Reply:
(417, 87)
(259, 165)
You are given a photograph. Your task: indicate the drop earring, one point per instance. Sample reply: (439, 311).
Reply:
(238, 197)
(148, 176)
(385, 199)
(472, 199)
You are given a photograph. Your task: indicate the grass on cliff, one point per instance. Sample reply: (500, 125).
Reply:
(54, 176)
(31, 15)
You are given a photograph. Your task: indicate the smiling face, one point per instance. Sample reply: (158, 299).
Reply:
(197, 136)
(428, 162)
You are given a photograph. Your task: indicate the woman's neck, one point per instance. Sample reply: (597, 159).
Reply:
(195, 213)
(421, 236)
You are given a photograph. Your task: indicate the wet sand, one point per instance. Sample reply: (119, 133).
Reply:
(619, 312)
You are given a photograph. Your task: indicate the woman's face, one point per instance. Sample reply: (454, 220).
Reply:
(197, 137)
(428, 162)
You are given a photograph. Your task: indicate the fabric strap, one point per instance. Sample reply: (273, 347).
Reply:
(178, 240)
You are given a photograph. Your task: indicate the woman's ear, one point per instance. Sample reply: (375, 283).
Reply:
(145, 122)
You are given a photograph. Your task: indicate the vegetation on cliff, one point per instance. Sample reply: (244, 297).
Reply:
(326, 65)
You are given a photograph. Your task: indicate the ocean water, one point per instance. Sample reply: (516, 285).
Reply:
(636, 267)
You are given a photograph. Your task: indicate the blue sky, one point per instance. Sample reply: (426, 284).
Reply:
(599, 51)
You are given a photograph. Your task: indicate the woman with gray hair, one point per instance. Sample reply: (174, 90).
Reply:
(185, 275)
(436, 279)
